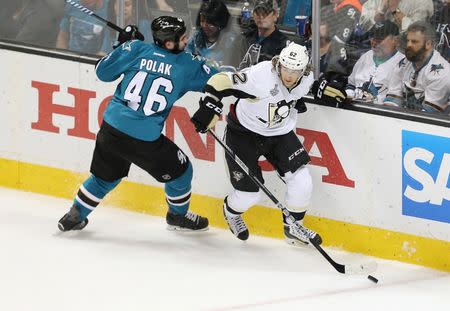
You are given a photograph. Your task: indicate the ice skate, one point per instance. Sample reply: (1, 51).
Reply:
(295, 237)
(72, 220)
(235, 223)
(188, 222)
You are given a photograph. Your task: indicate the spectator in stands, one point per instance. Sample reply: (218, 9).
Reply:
(264, 40)
(369, 80)
(441, 23)
(341, 56)
(326, 11)
(421, 80)
(80, 32)
(135, 13)
(34, 22)
(214, 38)
(402, 12)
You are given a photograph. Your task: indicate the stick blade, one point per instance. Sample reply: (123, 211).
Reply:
(363, 268)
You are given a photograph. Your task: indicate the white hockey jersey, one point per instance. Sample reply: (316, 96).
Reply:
(418, 87)
(369, 82)
(272, 112)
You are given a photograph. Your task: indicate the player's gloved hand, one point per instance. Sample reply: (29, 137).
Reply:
(207, 114)
(329, 93)
(300, 105)
(130, 32)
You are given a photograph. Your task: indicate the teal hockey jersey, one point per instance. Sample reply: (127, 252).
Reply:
(153, 79)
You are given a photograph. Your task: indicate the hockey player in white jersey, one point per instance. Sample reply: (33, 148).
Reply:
(262, 122)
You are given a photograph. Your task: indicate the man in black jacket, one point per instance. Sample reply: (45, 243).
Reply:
(264, 40)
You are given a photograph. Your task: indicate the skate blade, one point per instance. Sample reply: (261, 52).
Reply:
(79, 226)
(295, 242)
(182, 229)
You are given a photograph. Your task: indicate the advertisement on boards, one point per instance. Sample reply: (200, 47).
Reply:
(425, 176)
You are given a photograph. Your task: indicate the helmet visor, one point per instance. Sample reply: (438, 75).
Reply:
(291, 71)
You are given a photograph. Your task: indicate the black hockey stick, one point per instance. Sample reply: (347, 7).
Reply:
(346, 269)
(90, 12)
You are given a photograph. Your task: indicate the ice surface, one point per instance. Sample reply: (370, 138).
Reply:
(128, 261)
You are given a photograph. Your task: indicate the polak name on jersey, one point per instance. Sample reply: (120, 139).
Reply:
(155, 66)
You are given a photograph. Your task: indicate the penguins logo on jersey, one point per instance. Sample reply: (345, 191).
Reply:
(277, 112)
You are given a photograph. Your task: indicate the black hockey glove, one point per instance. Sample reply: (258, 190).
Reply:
(130, 32)
(329, 93)
(300, 105)
(207, 114)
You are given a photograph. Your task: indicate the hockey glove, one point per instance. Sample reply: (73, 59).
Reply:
(300, 105)
(329, 93)
(130, 32)
(207, 114)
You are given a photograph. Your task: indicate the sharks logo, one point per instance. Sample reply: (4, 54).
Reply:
(414, 98)
(435, 68)
(127, 46)
(369, 90)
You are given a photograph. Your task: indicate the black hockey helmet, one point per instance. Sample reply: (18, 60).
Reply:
(167, 28)
(215, 12)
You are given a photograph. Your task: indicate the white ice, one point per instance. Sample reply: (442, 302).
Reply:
(128, 261)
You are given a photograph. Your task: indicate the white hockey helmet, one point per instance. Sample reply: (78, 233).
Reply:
(294, 57)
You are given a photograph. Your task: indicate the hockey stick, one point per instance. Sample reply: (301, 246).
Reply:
(346, 269)
(90, 12)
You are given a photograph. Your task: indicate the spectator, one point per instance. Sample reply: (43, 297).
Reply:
(80, 32)
(370, 77)
(420, 81)
(402, 12)
(342, 23)
(441, 21)
(135, 13)
(326, 11)
(324, 46)
(214, 37)
(34, 22)
(264, 40)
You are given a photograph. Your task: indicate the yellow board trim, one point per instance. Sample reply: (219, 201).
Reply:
(260, 220)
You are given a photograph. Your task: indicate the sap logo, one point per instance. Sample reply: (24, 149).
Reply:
(425, 177)
(432, 191)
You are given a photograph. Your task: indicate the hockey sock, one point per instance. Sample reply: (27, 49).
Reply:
(229, 210)
(91, 192)
(178, 192)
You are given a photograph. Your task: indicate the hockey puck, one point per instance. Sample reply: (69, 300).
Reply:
(373, 279)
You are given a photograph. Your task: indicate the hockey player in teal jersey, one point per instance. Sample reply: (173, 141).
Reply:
(154, 77)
